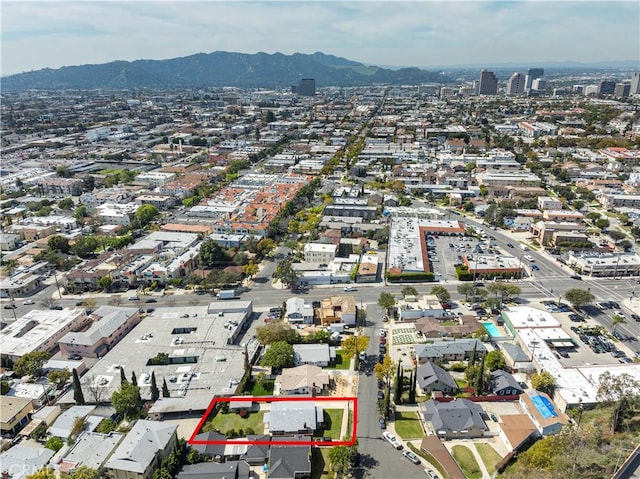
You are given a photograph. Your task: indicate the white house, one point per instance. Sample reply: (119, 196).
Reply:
(298, 311)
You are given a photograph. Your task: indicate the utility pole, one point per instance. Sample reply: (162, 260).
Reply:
(533, 345)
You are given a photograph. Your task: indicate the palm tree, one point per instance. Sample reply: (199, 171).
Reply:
(615, 321)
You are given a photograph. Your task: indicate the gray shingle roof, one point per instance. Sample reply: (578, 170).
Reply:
(501, 380)
(287, 461)
(447, 347)
(293, 416)
(430, 373)
(457, 415)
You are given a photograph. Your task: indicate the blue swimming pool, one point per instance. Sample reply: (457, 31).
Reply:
(492, 329)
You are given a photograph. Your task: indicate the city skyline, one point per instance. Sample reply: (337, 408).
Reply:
(53, 34)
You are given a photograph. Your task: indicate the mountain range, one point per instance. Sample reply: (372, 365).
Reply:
(219, 69)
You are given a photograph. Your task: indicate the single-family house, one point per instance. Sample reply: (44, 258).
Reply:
(216, 470)
(457, 419)
(503, 383)
(294, 417)
(290, 462)
(431, 377)
(299, 312)
(320, 354)
(306, 379)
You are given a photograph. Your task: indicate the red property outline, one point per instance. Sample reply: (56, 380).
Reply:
(350, 442)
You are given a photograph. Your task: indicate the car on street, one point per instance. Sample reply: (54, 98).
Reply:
(350, 288)
(535, 267)
(132, 298)
(635, 317)
(383, 423)
(392, 440)
(31, 301)
(510, 245)
(576, 276)
(529, 258)
(432, 474)
(9, 306)
(151, 300)
(412, 457)
(57, 308)
(79, 303)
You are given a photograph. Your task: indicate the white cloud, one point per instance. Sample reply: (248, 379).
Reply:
(56, 33)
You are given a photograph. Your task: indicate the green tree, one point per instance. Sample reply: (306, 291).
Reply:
(134, 378)
(155, 393)
(104, 283)
(495, 360)
(59, 244)
(78, 396)
(467, 289)
(59, 377)
(615, 321)
(54, 443)
(31, 364)
(340, 459)
(165, 389)
(441, 293)
(145, 214)
(80, 212)
(85, 246)
(250, 269)
(278, 355)
(84, 472)
(212, 254)
(276, 331)
(265, 245)
(354, 345)
(106, 426)
(386, 301)
(126, 401)
(579, 297)
(544, 382)
(621, 391)
(285, 273)
(66, 204)
(409, 291)
(504, 290)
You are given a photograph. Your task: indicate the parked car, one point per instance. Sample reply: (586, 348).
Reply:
(380, 394)
(412, 457)
(57, 308)
(383, 423)
(362, 356)
(74, 357)
(9, 306)
(392, 440)
(432, 474)
(31, 301)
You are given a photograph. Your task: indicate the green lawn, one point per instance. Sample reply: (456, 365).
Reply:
(342, 360)
(408, 426)
(263, 389)
(227, 422)
(335, 423)
(489, 456)
(467, 462)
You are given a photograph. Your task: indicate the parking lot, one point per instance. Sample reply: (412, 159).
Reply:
(445, 252)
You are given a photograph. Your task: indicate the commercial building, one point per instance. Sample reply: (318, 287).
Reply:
(194, 348)
(635, 84)
(91, 449)
(515, 84)
(488, 83)
(605, 264)
(413, 307)
(306, 87)
(532, 74)
(322, 253)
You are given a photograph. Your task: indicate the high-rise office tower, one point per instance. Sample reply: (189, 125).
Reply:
(488, 83)
(306, 87)
(622, 90)
(539, 84)
(635, 84)
(532, 74)
(515, 84)
(606, 87)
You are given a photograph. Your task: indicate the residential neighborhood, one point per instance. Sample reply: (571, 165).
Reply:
(435, 280)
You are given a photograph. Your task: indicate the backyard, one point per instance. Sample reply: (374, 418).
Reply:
(408, 426)
(320, 463)
(467, 462)
(232, 422)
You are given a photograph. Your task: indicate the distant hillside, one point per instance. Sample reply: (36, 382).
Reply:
(217, 69)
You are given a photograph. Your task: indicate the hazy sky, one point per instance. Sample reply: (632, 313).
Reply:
(58, 33)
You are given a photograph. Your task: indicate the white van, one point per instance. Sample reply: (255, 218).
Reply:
(524, 247)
